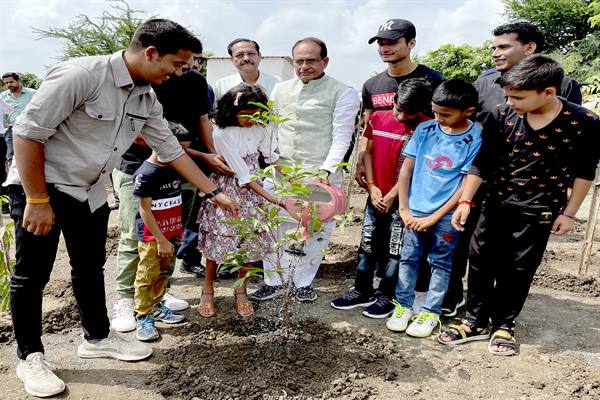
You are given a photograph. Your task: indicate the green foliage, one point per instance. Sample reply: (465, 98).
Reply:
(106, 34)
(561, 21)
(464, 62)
(582, 61)
(594, 9)
(6, 263)
(29, 80)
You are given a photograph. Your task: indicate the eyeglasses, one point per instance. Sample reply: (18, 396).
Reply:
(249, 54)
(309, 62)
(200, 60)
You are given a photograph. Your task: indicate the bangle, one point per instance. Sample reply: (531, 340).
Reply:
(213, 193)
(568, 216)
(37, 201)
(369, 183)
(467, 202)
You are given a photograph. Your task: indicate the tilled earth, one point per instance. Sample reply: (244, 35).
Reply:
(331, 354)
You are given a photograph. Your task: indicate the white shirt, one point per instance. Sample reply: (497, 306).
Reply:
(4, 110)
(344, 120)
(223, 85)
(234, 143)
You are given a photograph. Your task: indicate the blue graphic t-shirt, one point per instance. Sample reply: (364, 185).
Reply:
(441, 161)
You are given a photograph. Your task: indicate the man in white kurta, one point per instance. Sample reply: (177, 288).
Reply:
(318, 135)
(245, 56)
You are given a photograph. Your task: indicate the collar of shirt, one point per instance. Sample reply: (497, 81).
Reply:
(121, 74)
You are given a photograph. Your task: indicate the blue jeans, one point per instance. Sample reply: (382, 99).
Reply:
(439, 254)
(380, 240)
(8, 138)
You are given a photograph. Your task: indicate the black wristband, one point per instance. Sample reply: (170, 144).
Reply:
(213, 193)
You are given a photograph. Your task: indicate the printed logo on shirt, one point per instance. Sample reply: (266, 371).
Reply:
(164, 204)
(439, 162)
(383, 99)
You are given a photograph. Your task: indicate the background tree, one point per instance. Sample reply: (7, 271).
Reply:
(562, 21)
(106, 34)
(464, 62)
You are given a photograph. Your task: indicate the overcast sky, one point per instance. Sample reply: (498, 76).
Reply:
(345, 26)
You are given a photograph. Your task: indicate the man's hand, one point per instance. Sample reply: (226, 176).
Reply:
(165, 248)
(38, 218)
(227, 204)
(389, 199)
(562, 225)
(360, 175)
(216, 162)
(459, 218)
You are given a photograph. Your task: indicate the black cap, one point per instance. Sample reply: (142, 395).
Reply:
(394, 29)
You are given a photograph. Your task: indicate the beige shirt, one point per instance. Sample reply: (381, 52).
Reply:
(87, 112)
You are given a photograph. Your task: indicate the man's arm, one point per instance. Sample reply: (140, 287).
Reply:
(205, 128)
(374, 191)
(360, 176)
(344, 115)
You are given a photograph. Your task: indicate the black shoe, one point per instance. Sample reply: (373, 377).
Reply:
(226, 274)
(305, 294)
(451, 311)
(189, 268)
(267, 292)
(351, 300)
(382, 308)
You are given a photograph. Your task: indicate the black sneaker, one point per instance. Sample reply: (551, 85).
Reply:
(305, 294)
(351, 300)
(189, 268)
(382, 308)
(451, 311)
(267, 292)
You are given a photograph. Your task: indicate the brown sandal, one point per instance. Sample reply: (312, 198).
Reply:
(207, 308)
(243, 306)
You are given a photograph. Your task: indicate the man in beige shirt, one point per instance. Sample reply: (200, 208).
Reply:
(68, 139)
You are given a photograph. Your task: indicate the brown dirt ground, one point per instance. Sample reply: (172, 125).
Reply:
(332, 354)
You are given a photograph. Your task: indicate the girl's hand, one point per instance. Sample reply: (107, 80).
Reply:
(227, 204)
(165, 248)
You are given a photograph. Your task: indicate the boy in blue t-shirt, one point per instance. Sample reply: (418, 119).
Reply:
(438, 157)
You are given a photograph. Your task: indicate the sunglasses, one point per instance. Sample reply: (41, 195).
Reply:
(200, 60)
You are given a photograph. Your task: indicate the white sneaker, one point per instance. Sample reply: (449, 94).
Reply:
(123, 319)
(37, 376)
(115, 346)
(423, 325)
(174, 303)
(399, 319)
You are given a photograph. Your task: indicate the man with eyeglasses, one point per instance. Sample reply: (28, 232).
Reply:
(318, 136)
(246, 57)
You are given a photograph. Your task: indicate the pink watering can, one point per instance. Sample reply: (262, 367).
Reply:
(329, 200)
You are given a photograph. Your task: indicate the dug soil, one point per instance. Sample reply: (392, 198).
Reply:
(331, 354)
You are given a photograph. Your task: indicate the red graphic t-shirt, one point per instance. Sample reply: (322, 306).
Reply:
(389, 137)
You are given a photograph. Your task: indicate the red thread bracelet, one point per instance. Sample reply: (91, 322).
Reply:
(467, 202)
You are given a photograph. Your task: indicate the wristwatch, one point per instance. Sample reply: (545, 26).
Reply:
(213, 193)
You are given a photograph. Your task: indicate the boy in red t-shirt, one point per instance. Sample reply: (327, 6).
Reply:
(387, 133)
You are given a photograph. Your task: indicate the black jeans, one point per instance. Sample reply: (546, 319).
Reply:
(380, 245)
(506, 249)
(84, 233)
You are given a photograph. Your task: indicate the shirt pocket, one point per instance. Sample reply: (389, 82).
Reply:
(134, 122)
(99, 111)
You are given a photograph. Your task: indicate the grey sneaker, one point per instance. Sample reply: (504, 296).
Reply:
(267, 292)
(115, 346)
(37, 376)
(146, 330)
(164, 314)
(305, 294)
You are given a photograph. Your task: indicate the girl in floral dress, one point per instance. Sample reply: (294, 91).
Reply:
(240, 141)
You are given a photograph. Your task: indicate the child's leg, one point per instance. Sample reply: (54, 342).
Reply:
(528, 240)
(148, 280)
(389, 280)
(410, 255)
(206, 308)
(443, 242)
(367, 260)
(243, 306)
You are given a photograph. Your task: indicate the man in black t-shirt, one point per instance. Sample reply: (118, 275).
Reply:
(395, 40)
